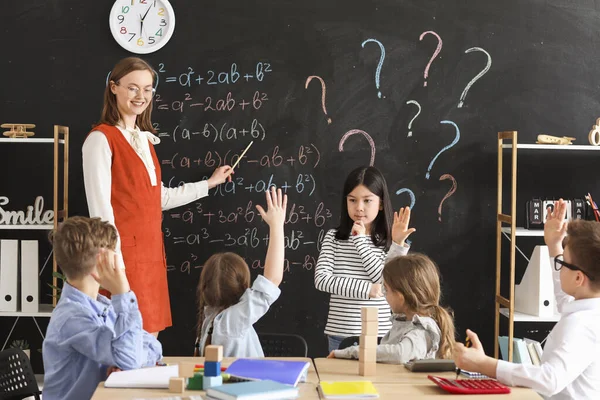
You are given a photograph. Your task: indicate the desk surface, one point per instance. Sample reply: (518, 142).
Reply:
(392, 382)
(332, 369)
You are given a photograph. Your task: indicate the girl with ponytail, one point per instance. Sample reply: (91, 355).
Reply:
(421, 327)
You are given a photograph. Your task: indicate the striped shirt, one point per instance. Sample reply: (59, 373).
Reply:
(347, 269)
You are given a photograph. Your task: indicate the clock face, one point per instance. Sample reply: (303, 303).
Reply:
(142, 26)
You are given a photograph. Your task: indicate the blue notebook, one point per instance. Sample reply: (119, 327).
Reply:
(286, 372)
(255, 390)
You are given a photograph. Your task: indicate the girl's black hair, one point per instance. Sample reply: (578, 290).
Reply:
(381, 228)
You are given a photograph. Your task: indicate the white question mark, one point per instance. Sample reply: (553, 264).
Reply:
(435, 53)
(378, 70)
(456, 139)
(479, 75)
(415, 117)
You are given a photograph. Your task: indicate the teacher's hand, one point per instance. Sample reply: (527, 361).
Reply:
(220, 175)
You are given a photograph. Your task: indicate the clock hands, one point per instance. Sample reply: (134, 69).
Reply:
(142, 20)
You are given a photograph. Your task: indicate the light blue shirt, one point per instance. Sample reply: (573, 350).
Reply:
(86, 336)
(232, 327)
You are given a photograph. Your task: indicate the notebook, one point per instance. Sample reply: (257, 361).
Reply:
(348, 390)
(153, 378)
(254, 390)
(287, 372)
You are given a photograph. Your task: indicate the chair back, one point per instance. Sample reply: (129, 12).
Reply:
(283, 345)
(17, 380)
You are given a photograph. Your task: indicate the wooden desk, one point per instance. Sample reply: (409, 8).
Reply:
(333, 369)
(307, 390)
(394, 391)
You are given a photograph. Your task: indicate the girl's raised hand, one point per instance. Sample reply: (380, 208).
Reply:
(400, 229)
(276, 206)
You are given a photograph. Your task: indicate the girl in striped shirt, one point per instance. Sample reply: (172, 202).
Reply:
(352, 256)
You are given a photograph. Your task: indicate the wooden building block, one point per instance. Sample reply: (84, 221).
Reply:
(213, 353)
(211, 381)
(212, 368)
(367, 342)
(369, 314)
(186, 369)
(370, 328)
(177, 385)
(367, 369)
(367, 355)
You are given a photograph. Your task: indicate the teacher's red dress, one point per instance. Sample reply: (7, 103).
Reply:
(138, 217)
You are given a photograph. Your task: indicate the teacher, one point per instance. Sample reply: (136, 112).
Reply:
(123, 185)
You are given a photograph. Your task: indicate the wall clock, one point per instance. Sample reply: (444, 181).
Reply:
(142, 26)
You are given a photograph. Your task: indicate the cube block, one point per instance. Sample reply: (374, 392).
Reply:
(369, 313)
(211, 381)
(212, 368)
(367, 342)
(367, 355)
(213, 353)
(177, 385)
(196, 382)
(367, 369)
(370, 328)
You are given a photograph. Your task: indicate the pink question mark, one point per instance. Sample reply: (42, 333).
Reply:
(366, 135)
(450, 193)
(322, 95)
(435, 53)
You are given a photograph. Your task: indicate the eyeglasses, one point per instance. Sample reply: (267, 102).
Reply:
(559, 262)
(134, 91)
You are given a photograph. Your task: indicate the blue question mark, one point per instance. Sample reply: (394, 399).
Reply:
(378, 70)
(456, 139)
(410, 193)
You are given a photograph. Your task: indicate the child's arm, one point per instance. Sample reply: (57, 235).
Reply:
(561, 366)
(412, 346)
(372, 258)
(325, 281)
(275, 217)
(555, 230)
(152, 350)
(255, 302)
(88, 334)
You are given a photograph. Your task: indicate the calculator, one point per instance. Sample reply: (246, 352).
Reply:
(470, 386)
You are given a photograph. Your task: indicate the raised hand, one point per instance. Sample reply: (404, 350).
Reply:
(555, 228)
(400, 229)
(276, 206)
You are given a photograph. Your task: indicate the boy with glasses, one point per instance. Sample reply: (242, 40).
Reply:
(570, 364)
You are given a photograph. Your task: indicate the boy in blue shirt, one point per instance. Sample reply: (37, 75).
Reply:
(88, 333)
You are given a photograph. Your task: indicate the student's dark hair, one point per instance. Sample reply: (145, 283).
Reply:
(381, 227)
(77, 241)
(224, 279)
(417, 277)
(110, 111)
(583, 241)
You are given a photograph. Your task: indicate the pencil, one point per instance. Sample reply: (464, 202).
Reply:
(240, 157)
(467, 344)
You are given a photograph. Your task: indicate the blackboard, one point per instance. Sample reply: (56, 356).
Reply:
(542, 78)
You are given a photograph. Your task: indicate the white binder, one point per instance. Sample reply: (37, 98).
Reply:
(29, 276)
(9, 257)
